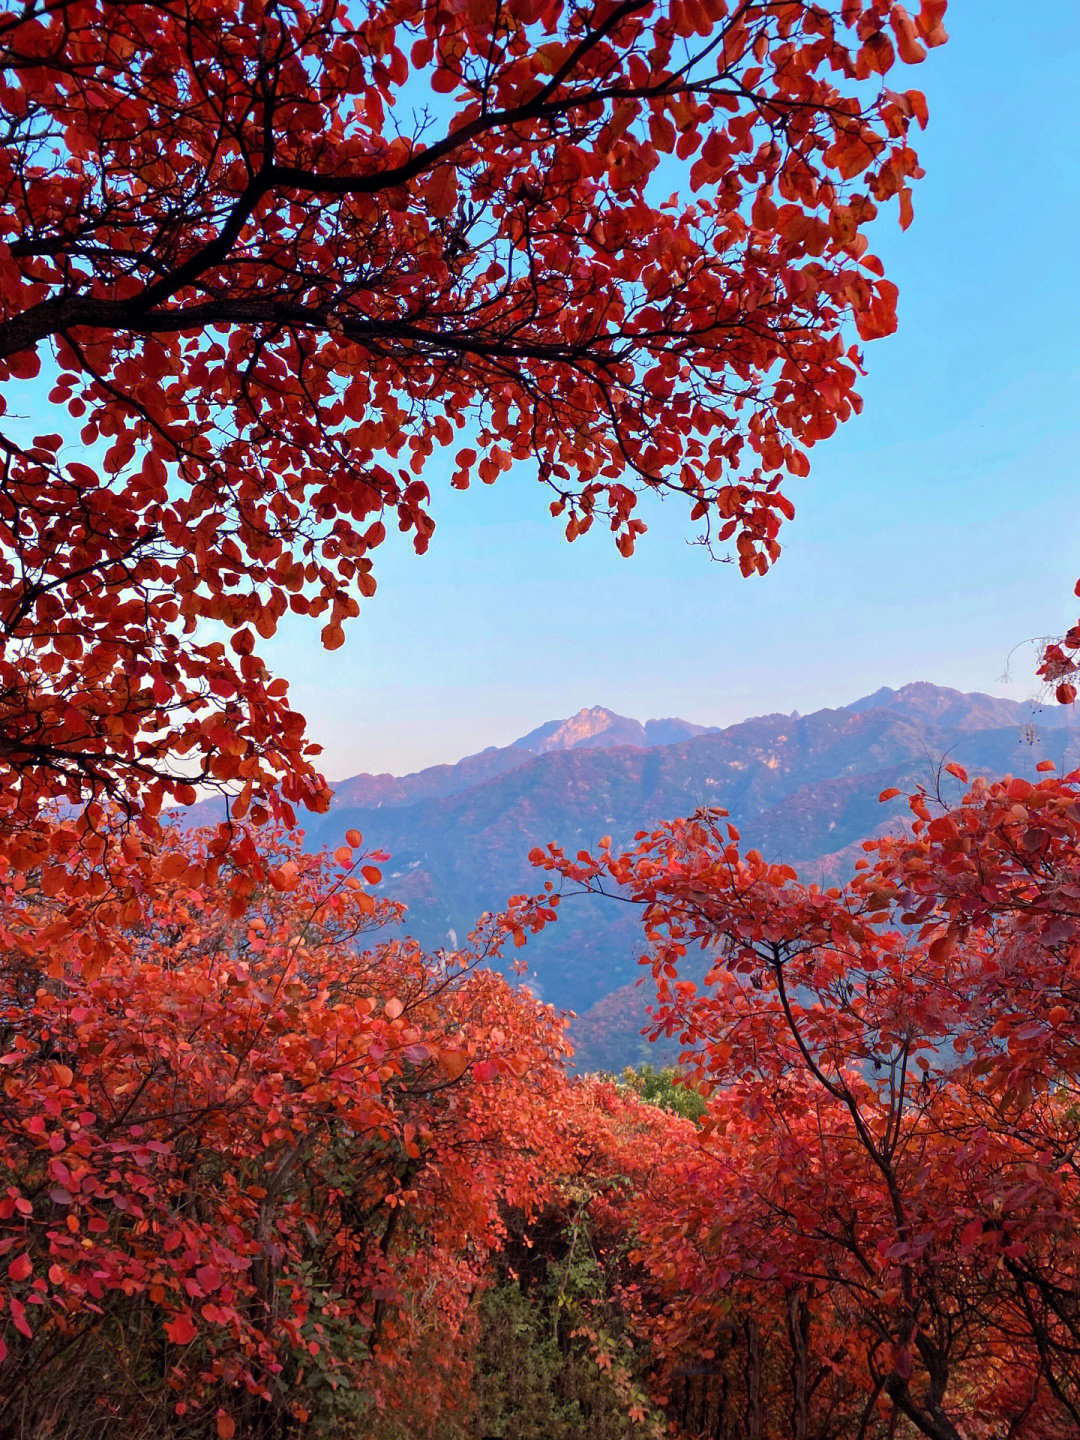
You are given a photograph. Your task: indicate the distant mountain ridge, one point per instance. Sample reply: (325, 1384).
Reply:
(801, 788)
(974, 711)
(597, 728)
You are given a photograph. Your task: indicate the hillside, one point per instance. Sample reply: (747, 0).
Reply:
(801, 788)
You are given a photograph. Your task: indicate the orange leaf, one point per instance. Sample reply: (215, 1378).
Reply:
(453, 1063)
(907, 40)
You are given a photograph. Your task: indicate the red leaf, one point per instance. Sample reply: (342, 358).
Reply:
(21, 1268)
(18, 1316)
(441, 191)
(181, 1330)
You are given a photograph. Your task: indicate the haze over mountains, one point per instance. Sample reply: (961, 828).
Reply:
(801, 788)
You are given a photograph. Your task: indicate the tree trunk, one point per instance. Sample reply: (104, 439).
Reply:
(754, 1429)
(798, 1319)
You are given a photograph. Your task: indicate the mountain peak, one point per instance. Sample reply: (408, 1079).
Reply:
(926, 703)
(594, 727)
(598, 728)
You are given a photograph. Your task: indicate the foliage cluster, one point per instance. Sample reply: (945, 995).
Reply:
(554, 1360)
(253, 1167)
(883, 1190)
(268, 277)
(667, 1088)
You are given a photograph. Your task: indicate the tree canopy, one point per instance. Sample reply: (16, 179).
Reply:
(282, 263)
(886, 1172)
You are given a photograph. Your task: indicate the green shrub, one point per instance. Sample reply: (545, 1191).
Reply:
(666, 1089)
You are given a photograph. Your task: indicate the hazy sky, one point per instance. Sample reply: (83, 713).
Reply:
(935, 533)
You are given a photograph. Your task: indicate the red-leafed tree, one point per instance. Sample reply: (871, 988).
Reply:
(886, 1190)
(273, 259)
(254, 1166)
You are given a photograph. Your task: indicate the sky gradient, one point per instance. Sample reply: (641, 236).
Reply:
(936, 532)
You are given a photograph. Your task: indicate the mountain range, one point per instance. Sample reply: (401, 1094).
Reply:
(801, 788)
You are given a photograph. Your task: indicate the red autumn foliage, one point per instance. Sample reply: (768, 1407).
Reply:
(256, 1157)
(268, 277)
(884, 1194)
(1058, 662)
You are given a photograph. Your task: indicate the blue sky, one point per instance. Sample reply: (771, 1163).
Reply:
(935, 533)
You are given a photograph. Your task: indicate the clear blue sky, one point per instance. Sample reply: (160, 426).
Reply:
(935, 532)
